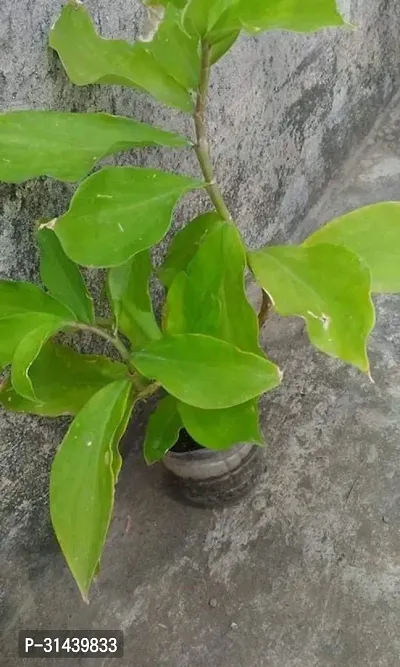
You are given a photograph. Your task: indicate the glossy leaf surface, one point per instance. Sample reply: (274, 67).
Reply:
(68, 145)
(372, 233)
(206, 372)
(329, 287)
(297, 15)
(62, 277)
(27, 351)
(162, 430)
(212, 300)
(118, 212)
(63, 381)
(185, 244)
(89, 58)
(82, 482)
(24, 307)
(128, 287)
(220, 429)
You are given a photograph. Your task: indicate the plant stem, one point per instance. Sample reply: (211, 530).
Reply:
(202, 146)
(148, 391)
(114, 340)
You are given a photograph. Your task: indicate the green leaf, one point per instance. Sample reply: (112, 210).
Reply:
(329, 287)
(128, 287)
(88, 58)
(63, 381)
(185, 244)
(177, 3)
(24, 307)
(68, 145)
(202, 15)
(62, 277)
(372, 233)
(212, 299)
(182, 60)
(118, 212)
(162, 430)
(221, 429)
(82, 481)
(206, 372)
(26, 353)
(120, 431)
(297, 15)
(223, 45)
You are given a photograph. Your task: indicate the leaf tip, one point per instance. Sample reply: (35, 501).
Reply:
(49, 225)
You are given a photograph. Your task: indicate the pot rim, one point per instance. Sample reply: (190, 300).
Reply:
(204, 463)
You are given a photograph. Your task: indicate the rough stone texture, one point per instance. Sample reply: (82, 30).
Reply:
(305, 572)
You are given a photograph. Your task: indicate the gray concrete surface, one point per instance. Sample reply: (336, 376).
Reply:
(306, 571)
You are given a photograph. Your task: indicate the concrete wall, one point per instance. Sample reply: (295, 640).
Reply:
(286, 111)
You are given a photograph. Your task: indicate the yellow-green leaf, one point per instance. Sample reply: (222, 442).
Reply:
(68, 145)
(221, 429)
(206, 372)
(372, 233)
(62, 277)
(82, 481)
(63, 381)
(118, 212)
(27, 351)
(89, 58)
(211, 299)
(185, 244)
(327, 285)
(162, 430)
(297, 15)
(128, 287)
(175, 50)
(24, 307)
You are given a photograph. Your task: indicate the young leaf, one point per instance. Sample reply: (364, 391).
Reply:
(62, 277)
(82, 481)
(221, 429)
(222, 45)
(185, 244)
(206, 372)
(63, 381)
(329, 287)
(88, 58)
(297, 15)
(68, 145)
(162, 430)
(212, 299)
(183, 60)
(202, 15)
(372, 233)
(26, 353)
(128, 287)
(119, 211)
(24, 307)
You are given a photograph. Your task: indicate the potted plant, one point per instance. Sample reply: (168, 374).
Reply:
(204, 354)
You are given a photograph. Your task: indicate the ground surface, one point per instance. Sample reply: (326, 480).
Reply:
(306, 571)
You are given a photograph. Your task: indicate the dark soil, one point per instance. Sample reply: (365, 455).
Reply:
(185, 443)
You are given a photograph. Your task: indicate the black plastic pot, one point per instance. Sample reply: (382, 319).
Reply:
(213, 478)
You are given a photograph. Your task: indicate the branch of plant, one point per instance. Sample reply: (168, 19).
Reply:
(203, 155)
(148, 391)
(117, 343)
(202, 146)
